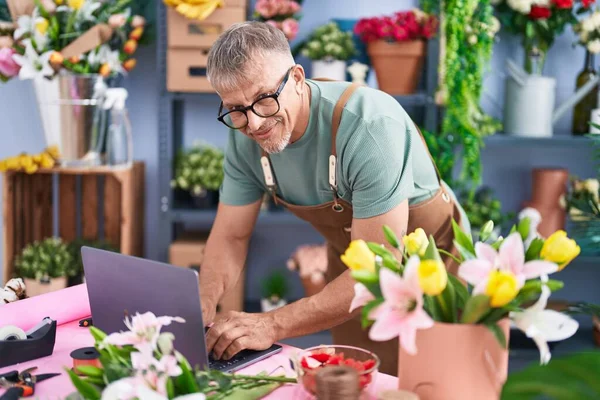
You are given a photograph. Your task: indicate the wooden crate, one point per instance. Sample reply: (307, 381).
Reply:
(110, 202)
(188, 251)
(187, 71)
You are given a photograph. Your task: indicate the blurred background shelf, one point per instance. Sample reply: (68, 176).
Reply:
(207, 216)
(564, 140)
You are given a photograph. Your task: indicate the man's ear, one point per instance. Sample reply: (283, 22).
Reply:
(299, 78)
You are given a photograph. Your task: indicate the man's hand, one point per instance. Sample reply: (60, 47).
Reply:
(238, 331)
(209, 310)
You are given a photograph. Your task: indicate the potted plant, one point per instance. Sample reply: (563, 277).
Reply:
(282, 14)
(329, 48)
(582, 204)
(45, 266)
(438, 317)
(481, 207)
(199, 172)
(397, 43)
(274, 291)
(311, 263)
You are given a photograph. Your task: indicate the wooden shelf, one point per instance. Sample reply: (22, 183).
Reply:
(100, 170)
(564, 141)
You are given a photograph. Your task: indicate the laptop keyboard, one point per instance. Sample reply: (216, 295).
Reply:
(224, 365)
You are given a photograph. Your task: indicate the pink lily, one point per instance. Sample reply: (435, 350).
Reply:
(510, 257)
(362, 296)
(144, 330)
(401, 313)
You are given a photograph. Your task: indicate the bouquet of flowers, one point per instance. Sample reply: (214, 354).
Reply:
(282, 14)
(401, 26)
(401, 297)
(79, 36)
(329, 42)
(582, 202)
(142, 363)
(539, 22)
(588, 30)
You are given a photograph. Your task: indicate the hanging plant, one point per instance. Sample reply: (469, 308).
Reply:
(468, 28)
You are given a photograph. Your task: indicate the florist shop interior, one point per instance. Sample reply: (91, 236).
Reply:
(117, 150)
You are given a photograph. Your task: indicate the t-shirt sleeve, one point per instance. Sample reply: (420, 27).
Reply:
(239, 186)
(379, 167)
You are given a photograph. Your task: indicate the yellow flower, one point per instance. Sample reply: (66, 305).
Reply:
(59, 2)
(502, 287)
(53, 151)
(559, 249)
(75, 4)
(3, 167)
(416, 243)
(26, 161)
(46, 161)
(13, 163)
(359, 257)
(433, 277)
(41, 25)
(31, 168)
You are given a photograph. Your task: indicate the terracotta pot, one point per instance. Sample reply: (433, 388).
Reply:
(455, 362)
(398, 65)
(548, 186)
(35, 287)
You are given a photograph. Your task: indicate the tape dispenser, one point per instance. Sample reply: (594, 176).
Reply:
(17, 346)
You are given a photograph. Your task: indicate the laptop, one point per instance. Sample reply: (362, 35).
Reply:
(120, 285)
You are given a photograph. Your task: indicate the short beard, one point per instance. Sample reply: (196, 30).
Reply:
(276, 144)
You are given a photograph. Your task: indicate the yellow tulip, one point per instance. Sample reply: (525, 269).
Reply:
(416, 243)
(359, 257)
(559, 249)
(46, 161)
(59, 2)
(41, 25)
(502, 288)
(3, 166)
(433, 277)
(75, 4)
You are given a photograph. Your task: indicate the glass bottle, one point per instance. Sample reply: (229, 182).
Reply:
(583, 109)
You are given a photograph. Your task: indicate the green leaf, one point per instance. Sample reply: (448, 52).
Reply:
(497, 331)
(462, 294)
(364, 277)
(87, 390)
(476, 307)
(463, 241)
(366, 322)
(391, 237)
(253, 393)
(185, 383)
(432, 253)
(533, 252)
(392, 264)
(97, 334)
(449, 298)
(523, 228)
(379, 250)
(529, 30)
(90, 370)
(432, 307)
(170, 388)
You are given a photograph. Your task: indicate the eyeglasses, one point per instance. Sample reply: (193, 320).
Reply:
(265, 106)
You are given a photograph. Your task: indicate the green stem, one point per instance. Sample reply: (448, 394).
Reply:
(449, 255)
(444, 307)
(284, 379)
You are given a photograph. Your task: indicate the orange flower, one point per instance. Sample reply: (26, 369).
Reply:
(74, 59)
(129, 64)
(137, 33)
(56, 58)
(130, 47)
(105, 70)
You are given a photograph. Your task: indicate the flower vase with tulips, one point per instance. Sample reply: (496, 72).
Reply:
(402, 296)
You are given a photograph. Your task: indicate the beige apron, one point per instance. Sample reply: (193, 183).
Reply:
(334, 221)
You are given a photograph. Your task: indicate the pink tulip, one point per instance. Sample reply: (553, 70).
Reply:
(8, 66)
(401, 313)
(117, 21)
(362, 296)
(510, 257)
(290, 28)
(138, 21)
(266, 8)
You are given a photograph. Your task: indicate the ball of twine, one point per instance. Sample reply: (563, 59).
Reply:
(337, 383)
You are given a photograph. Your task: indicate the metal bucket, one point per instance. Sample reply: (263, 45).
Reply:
(72, 117)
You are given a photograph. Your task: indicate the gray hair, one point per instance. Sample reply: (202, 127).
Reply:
(232, 54)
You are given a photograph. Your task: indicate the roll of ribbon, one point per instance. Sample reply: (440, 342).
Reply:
(85, 356)
(10, 332)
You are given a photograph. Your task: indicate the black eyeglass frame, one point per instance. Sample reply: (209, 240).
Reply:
(275, 96)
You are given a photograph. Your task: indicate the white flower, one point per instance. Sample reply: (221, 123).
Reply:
(543, 325)
(542, 3)
(522, 6)
(592, 185)
(472, 39)
(87, 9)
(32, 64)
(104, 55)
(588, 25)
(595, 18)
(583, 36)
(494, 25)
(26, 25)
(594, 46)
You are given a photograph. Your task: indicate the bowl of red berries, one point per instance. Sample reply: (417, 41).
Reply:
(308, 362)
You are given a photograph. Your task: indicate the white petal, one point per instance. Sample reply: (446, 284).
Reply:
(555, 326)
(544, 350)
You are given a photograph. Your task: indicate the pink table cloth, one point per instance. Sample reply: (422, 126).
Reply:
(71, 305)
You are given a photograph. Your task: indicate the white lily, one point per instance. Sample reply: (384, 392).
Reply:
(543, 325)
(33, 64)
(85, 13)
(26, 25)
(104, 55)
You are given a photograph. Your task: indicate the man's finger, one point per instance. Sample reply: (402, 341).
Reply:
(215, 332)
(236, 346)
(227, 338)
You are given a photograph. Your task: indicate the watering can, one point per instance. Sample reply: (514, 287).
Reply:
(529, 102)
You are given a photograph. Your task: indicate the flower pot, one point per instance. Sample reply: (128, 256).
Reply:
(271, 304)
(398, 66)
(548, 185)
(34, 287)
(529, 106)
(334, 69)
(455, 362)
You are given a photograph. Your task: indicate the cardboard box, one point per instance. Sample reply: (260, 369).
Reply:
(188, 251)
(184, 32)
(186, 71)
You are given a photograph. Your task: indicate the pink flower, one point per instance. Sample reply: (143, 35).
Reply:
(8, 66)
(267, 8)
(401, 313)
(144, 330)
(117, 20)
(290, 28)
(510, 257)
(138, 21)
(362, 296)
(293, 7)
(274, 23)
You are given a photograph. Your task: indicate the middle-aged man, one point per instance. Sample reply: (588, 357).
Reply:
(345, 158)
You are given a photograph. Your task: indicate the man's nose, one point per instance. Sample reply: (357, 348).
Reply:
(254, 121)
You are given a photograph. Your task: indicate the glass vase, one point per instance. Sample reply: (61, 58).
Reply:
(535, 58)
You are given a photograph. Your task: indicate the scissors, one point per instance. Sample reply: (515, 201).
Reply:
(21, 384)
